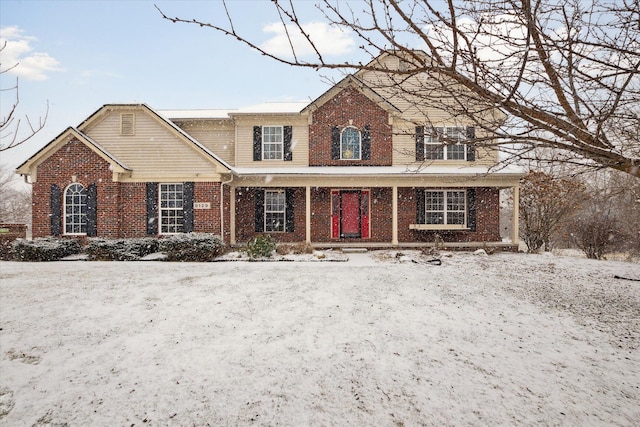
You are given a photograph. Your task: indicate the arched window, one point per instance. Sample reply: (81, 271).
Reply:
(350, 143)
(75, 209)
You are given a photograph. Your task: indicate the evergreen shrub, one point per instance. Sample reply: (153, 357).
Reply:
(44, 249)
(260, 247)
(120, 249)
(191, 247)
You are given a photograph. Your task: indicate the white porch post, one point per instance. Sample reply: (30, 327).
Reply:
(394, 216)
(232, 214)
(515, 236)
(308, 214)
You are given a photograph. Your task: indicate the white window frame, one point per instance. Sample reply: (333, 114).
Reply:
(446, 208)
(433, 143)
(272, 209)
(78, 206)
(171, 209)
(270, 144)
(343, 149)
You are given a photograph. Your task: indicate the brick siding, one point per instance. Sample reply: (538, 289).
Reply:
(348, 105)
(121, 207)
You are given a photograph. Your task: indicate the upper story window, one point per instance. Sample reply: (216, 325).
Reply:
(171, 208)
(445, 143)
(75, 209)
(272, 142)
(127, 124)
(350, 144)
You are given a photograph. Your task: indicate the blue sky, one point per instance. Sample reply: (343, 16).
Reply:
(80, 55)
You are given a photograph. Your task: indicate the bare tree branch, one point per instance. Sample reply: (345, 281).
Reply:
(565, 72)
(10, 135)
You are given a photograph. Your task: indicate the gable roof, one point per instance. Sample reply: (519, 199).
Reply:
(164, 121)
(352, 81)
(69, 133)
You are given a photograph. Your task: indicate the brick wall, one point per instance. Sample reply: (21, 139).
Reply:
(380, 216)
(347, 105)
(487, 219)
(74, 159)
(246, 216)
(121, 207)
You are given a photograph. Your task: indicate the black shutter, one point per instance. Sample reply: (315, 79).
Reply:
(335, 143)
(56, 210)
(419, 143)
(288, 135)
(257, 143)
(420, 207)
(289, 210)
(471, 145)
(92, 210)
(187, 207)
(366, 143)
(471, 209)
(259, 194)
(152, 208)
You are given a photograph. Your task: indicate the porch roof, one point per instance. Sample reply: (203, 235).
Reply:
(398, 171)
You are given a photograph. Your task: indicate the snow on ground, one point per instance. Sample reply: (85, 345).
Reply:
(383, 339)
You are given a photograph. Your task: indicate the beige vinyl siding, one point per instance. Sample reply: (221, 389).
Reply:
(153, 151)
(404, 148)
(299, 142)
(217, 135)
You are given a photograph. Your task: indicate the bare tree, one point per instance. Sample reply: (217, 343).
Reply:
(10, 124)
(15, 202)
(565, 73)
(545, 202)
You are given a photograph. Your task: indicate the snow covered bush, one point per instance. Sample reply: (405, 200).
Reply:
(260, 247)
(44, 249)
(120, 249)
(191, 247)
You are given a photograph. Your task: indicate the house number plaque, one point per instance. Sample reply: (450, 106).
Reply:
(202, 205)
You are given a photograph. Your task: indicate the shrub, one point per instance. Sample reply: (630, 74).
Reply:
(44, 249)
(294, 248)
(120, 249)
(191, 247)
(260, 247)
(595, 233)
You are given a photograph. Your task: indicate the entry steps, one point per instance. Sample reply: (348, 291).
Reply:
(354, 250)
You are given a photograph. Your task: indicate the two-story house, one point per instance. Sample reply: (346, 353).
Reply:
(360, 165)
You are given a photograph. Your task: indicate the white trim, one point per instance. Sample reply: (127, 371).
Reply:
(64, 211)
(359, 143)
(281, 127)
(174, 209)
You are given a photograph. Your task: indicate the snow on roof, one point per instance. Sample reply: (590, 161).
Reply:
(196, 114)
(274, 108)
(380, 170)
(264, 108)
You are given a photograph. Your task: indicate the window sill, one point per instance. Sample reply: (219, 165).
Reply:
(438, 227)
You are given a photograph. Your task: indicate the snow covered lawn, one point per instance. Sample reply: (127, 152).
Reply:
(378, 340)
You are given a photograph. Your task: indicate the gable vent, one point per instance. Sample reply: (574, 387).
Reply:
(127, 124)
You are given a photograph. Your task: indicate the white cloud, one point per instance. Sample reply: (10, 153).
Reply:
(17, 56)
(327, 39)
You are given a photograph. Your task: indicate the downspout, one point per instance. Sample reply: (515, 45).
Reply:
(222, 206)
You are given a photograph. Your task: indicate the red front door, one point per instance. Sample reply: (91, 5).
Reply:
(350, 224)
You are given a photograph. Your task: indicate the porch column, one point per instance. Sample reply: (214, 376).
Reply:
(307, 199)
(515, 236)
(394, 216)
(232, 215)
